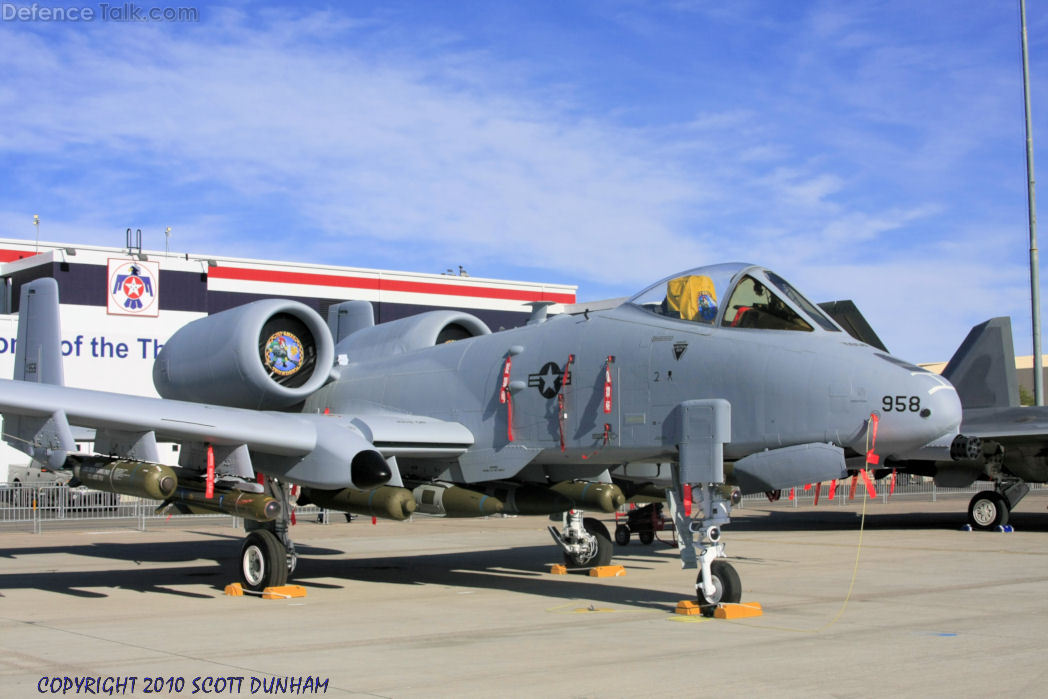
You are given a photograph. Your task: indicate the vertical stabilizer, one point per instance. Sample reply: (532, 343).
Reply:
(983, 367)
(38, 358)
(38, 351)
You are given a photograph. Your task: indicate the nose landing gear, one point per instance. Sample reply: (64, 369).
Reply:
(717, 582)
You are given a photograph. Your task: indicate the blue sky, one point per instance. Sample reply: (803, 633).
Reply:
(864, 150)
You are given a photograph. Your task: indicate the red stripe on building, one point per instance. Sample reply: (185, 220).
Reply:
(12, 255)
(377, 284)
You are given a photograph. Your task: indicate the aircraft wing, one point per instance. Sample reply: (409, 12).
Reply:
(40, 415)
(170, 420)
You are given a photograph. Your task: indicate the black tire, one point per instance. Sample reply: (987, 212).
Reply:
(988, 510)
(622, 535)
(726, 580)
(646, 536)
(263, 561)
(595, 526)
(604, 548)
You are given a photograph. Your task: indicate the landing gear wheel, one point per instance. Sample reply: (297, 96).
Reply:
(646, 536)
(622, 535)
(263, 561)
(599, 554)
(988, 510)
(727, 584)
(595, 526)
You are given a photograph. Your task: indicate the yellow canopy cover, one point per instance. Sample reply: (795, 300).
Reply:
(693, 296)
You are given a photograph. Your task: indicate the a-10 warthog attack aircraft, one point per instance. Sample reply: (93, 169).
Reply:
(723, 378)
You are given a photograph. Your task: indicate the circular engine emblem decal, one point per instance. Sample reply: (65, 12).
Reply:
(283, 353)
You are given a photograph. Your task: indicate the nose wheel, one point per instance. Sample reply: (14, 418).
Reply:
(727, 587)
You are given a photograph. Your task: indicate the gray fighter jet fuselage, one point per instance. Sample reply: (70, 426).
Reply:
(785, 388)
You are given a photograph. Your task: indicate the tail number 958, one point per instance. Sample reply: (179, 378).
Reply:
(901, 404)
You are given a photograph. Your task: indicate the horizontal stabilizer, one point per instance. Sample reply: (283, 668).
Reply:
(983, 367)
(46, 439)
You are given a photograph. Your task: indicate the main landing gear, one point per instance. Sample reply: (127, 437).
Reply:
(989, 509)
(268, 556)
(586, 541)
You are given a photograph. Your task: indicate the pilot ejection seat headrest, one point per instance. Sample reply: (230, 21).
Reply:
(693, 296)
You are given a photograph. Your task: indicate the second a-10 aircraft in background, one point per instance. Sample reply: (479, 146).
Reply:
(725, 372)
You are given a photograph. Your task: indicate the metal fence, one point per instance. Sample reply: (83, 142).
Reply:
(36, 508)
(910, 488)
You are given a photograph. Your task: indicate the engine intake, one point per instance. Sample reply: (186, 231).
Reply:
(268, 354)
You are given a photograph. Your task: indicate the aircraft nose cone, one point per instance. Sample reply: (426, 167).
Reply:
(924, 411)
(944, 411)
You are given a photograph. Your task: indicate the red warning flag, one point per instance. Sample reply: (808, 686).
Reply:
(687, 501)
(209, 483)
(506, 397)
(607, 385)
(818, 489)
(891, 491)
(871, 457)
(833, 490)
(868, 482)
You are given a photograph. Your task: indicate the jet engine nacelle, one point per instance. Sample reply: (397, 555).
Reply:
(268, 354)
(411, 333)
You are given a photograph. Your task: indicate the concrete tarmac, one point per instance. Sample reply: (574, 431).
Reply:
(911, 606)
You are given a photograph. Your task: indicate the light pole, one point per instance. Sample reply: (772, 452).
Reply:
(1035, 293)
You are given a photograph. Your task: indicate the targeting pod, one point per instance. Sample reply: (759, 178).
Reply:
(140, 479)
(387, 501)
(606, 497)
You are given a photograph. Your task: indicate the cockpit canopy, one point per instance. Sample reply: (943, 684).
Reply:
(756, 298)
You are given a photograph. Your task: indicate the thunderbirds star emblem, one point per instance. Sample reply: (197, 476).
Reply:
(133, 287)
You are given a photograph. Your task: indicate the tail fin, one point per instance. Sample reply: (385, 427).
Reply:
(983, 367)
(38, 358)
(38, 351)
